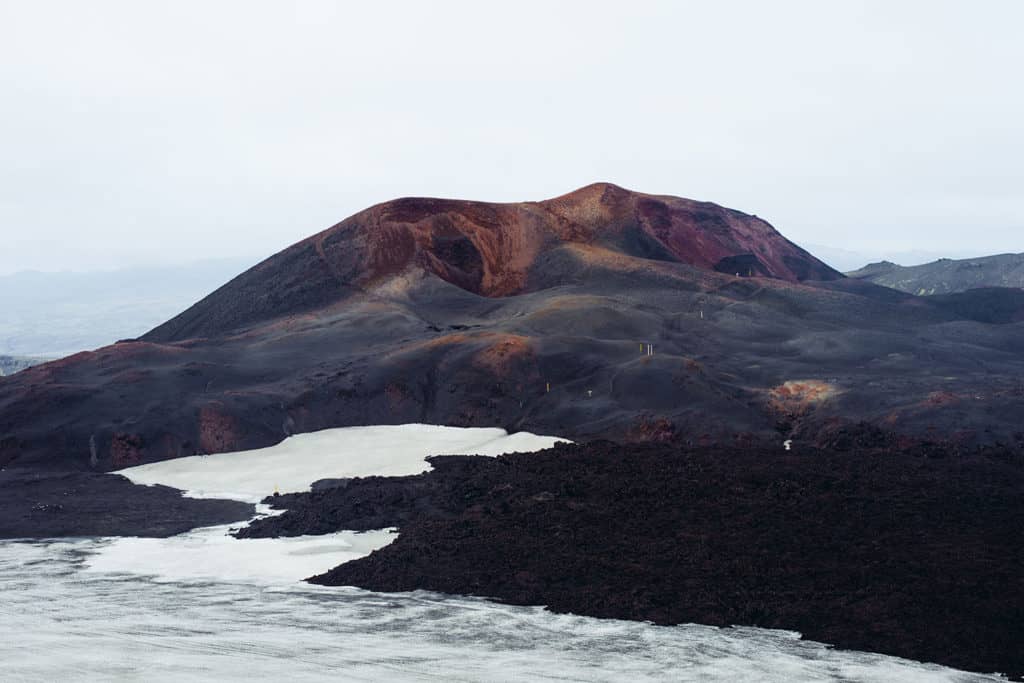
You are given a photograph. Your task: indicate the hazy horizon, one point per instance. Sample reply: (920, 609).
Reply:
(166, 134)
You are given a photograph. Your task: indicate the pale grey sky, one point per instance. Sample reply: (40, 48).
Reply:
(136, 132)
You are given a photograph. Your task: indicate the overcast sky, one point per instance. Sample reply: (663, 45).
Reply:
(135, 133)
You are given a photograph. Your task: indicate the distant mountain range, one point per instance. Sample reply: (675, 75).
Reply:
(56, 314)
(11, 364)
(849, 259)
(947, 276)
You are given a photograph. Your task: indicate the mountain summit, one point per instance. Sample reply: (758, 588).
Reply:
(496, 250)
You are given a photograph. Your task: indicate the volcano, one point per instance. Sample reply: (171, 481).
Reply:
(601, 313)
(494, 251)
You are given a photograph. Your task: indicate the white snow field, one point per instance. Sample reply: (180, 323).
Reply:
(212, 554)
(298, 461)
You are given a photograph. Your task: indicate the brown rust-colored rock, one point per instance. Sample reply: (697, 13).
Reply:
(125, 450)
(218, 431)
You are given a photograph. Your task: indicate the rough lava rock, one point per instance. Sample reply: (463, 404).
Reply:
(915, 554)
(75, 504)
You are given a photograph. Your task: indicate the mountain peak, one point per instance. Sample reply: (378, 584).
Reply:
(497, 250)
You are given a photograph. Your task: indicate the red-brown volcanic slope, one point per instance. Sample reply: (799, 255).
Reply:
(530, 316)
(490, 250)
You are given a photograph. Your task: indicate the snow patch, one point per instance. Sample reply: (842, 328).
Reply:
(298, 461)
(212, 554)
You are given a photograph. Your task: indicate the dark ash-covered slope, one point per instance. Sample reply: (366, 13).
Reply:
(530, 316)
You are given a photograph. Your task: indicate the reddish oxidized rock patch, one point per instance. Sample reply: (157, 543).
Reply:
(218, 430)
(653, 429)
(125, 450)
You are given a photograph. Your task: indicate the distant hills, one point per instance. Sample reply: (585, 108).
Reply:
(848, 259)
(11, 364)
(947, 276)
(53, 314)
